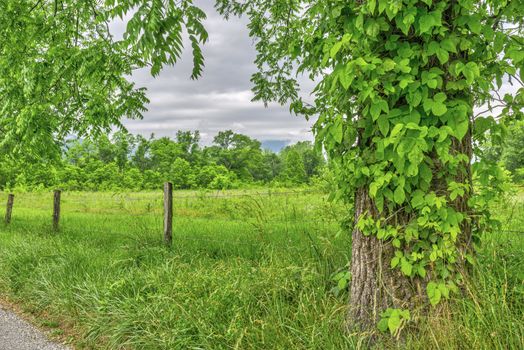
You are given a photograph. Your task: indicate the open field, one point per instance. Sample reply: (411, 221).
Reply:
(247, 270)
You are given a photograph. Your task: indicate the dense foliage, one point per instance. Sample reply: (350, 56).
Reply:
(128, 162)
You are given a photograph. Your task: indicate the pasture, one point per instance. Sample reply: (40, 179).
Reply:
(247, 270)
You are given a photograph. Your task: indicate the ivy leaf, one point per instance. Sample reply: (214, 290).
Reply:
(426, 23)
(443, 56)
(336, 130)
(372, 4)
(395, 261)
(417, 199)
(462, 128)
(474, 24)
(421, 271)
(346, 76)
(438, 107)
(375, 111)
(383, 124)
(394, 322)
(406, 267)
(448, 45)
(383, 324)
(434, 294)
(377, 108)
(471, 71)
(399, 195)
(335, 49)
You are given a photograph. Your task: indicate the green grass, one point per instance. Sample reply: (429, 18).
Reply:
(247, 272)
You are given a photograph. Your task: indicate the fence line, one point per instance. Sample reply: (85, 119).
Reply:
(168, 209)
(215, 196)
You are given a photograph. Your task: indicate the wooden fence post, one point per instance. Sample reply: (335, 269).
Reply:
(9, 209)
(168, 213)
(56, 210)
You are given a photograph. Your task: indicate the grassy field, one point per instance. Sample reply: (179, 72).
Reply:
(248, 270)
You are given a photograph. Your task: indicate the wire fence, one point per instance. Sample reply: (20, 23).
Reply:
(154, 204)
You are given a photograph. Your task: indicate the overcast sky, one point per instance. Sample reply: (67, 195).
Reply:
(221, 98)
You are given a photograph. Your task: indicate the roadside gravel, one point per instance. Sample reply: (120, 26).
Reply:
(17, 334)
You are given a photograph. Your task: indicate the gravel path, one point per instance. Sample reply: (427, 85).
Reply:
(17, 334)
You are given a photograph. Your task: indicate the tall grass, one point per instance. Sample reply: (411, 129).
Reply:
(247, 272)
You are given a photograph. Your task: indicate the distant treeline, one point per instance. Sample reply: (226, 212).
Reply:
(125, 161)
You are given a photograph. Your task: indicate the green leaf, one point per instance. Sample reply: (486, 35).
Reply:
(394, 322)
(337, 130)
(475, 24)
(426, 23)
(383, 124)
(406, 267)
(335, 49)
(375, 111)
(377, 108)
(440, 97)
(462, 128)
(399, 195)
(388, 64)
(372, 4)
(395, 261)
(471, 71)
(448, 45)
(443, 56)
(346, 76)
(383, 325)
(417, 199)
(421, 271)
(439, 109)
(434, 294)
(397, 129)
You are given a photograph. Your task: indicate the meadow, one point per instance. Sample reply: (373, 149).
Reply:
(247, 270)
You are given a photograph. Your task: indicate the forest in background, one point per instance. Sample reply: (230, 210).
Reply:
(133, 162)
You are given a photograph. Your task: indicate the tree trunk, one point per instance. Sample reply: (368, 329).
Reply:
(375, 286)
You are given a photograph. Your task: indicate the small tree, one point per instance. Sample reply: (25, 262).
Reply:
(294, 170)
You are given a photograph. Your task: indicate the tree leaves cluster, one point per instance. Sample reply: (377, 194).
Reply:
(62, 72)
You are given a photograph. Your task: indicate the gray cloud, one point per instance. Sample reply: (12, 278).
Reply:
(221, 98)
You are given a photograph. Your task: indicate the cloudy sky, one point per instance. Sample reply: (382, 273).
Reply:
(221, 98)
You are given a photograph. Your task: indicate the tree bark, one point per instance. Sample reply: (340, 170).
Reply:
(375, 286)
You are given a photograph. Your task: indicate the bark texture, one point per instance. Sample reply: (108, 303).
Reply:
(374, 285)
